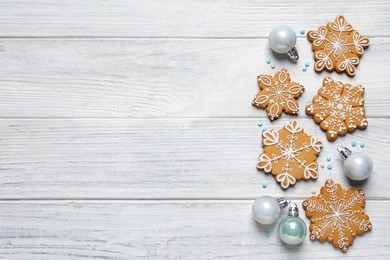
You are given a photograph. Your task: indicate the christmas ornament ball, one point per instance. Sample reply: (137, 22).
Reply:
(358, 166)
(282, 39)
(265, 210)
(292, 230)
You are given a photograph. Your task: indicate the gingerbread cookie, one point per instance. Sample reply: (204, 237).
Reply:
(337, 215)
(289, 154)
(338, 108)
(337, 46)
(278, 93)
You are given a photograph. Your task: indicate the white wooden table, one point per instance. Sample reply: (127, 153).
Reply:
(127, 129)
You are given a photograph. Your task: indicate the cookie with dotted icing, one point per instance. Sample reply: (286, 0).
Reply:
(289, 154)
(338, 108)
(337, 46)
(277, 93)
(337, 215)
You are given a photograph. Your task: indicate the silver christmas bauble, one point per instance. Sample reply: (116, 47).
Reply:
(282, 39)
(266, 209)
(357, 165)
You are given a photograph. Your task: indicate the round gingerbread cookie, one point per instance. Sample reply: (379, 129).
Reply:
(337, 46)
(277, 93)
(338, 108)
(289, 154)
(337, 215)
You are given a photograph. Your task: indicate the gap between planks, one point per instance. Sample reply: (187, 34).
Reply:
(73, 37)
(156, 201)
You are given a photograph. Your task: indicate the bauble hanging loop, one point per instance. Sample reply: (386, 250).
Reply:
(266, 209)
(357, 165)
(282, 39)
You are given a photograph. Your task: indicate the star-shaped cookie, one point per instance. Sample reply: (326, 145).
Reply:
(337, 46)
(338, 108)
(289, 154)
(277, 93)
(337, 215)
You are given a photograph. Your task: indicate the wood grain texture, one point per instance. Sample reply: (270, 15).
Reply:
(163, 158)
(165, 230)
(175, 18)
(127, 131)
(161, 78)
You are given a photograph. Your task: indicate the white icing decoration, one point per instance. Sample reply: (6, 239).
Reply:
(319, 36)
(261, 99)
(339, 216)
(292, 152)
(323, 60)
(293, 127)
(296, 89)
(278, 93)
(311, 171)
(274, 110)
(265, 80)
(340, 45)
(270, 137)
(316, 144)
(339, 108)
(283, 76)
(349, 65)
(359, 42)
(285, 180)
(264, 163)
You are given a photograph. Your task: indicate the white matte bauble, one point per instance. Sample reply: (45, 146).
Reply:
(282, 39)
(266, 209)
(358, 166)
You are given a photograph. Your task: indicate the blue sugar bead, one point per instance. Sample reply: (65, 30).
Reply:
(307, 63)
(304, 68)
(267, 234)
(302, 31)
(328, 158)
(259, 123)
(264, 128)
(361, 144)
(264, 184)
(330, 166)
(268, 60)
(353, 143)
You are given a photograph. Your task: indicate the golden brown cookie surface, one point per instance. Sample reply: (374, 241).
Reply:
(289, 154)
(337, 215)
(338, 108)
(337, 46)
(277, 93)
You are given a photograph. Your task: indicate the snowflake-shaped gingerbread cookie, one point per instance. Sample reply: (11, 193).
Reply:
(278, 93)
(337, 46)
(338, 108)
(337, 215)
(289, 154)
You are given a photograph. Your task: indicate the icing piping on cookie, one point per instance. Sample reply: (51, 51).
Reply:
(338, 108)
(288, 154)
(278, 93)
(337, 46)
(337, 215)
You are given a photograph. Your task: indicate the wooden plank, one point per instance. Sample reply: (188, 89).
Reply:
(163, 158)
(165, 230)
(175, 18)
(161, 78)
